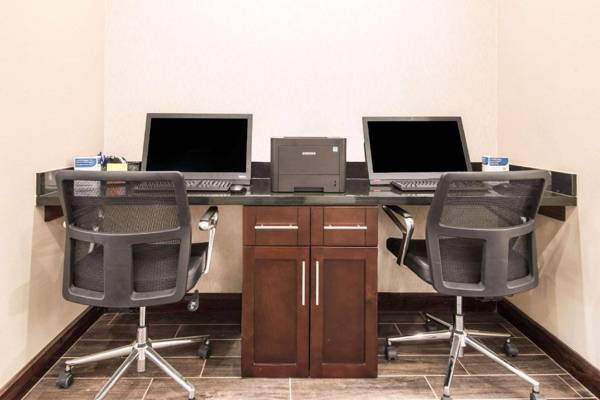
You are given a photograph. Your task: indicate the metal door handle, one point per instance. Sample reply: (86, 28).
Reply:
(317, 283)
(345, 228)
(281, 227)
(303, 283)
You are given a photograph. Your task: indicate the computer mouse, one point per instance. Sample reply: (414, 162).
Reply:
(237, 188)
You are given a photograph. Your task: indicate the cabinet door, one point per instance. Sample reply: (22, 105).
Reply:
(275, 316)
(343, 332)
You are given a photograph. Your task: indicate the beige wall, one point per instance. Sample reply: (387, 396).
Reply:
(548, 116)
(301, 67)
(51, 107)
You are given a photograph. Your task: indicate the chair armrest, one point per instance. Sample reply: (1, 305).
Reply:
(209, 219)
(208, 222)
(406, 224)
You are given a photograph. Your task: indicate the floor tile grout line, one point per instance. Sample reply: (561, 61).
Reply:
(125, 378)
(557, 364)
(203, 365)
(430, 387)
(398, 329)
(113, 319)
(463, 366)
(569, 385)
(518, 334)
(148, 388)
(166, 357)
(150, 323)
(465, 355)
(458, 374)
(129, 340)
(177, 331)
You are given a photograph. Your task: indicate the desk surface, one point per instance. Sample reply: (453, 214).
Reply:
(358, 192)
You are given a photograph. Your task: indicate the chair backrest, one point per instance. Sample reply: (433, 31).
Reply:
(480, 232)
(109, 217)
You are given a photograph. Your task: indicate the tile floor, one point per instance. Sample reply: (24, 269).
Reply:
(416, 374)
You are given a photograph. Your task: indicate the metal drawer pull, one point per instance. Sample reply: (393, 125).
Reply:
(303, 283)
(281, 227)
(345, 228)
(317, 284)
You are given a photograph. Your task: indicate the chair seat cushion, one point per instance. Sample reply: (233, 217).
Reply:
(462, 260)
(155, 267)
(416, 257)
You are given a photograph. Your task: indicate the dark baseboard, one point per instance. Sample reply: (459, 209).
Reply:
(576, 365)
(208, 302)
(21, 383)
(387, 301)
(429, 302)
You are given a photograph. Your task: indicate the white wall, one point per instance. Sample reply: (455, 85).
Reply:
(301, 67)
(51, 84)
(548, 116)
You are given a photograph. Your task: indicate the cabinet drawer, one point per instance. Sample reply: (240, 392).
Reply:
(344, 226)
(276, 226)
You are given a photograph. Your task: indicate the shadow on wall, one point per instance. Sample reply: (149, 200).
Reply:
(40, 301)
(557, 303)
(393, 277)
(225, 275)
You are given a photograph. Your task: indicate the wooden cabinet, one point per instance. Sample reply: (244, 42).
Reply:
(343, 330)
(275, 307)
(343, 226)
(276, 226)
(304, 303)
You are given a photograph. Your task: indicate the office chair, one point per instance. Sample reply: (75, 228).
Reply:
(480, 242)
(128, 244)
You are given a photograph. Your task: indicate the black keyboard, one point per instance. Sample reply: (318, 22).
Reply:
(207, 185)
(416, 185)
(429, 185)
(191, 185)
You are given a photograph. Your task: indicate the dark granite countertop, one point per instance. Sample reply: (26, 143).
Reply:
(561, 192)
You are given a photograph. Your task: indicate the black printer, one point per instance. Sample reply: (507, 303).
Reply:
(308, 164)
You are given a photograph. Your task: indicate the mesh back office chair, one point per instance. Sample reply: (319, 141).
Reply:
(128, 244)
(480, 242)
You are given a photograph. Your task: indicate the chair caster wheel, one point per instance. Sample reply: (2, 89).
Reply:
(390, 352)
(510, 349)
(536, 396)
(64, 380)
(193, 301)
(204, 350)
(431, 325)
(444, 397)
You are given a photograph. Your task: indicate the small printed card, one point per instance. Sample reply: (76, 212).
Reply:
(87, 188)
(87, 163)
(494, 164)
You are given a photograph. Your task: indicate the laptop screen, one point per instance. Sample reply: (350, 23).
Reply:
(405, 148)
(199, 146)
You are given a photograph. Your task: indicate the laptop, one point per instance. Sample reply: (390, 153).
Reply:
(411, 153)
(212, 151)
